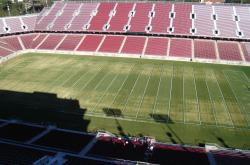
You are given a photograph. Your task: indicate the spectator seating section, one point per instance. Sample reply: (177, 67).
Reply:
(225, 23)
(48, 17)
(66, 15)
(133, 45)
(51, 41)
(29, 22)
(27, 40)
(5, 52)
(182, 21)
(229, 51)
(168, 154)
(244, 20)
(246, 50)
(37, 40)
(14, 42)
(140, 20)
(70, 42)
(98, 22)
(14, 24)
(90, 43)
(157, 46)
(204, 49)
(120, 19)
(181, 48)
(161, 20)
(82, 16)
(118, 148)
(203, 22)
(111, 44)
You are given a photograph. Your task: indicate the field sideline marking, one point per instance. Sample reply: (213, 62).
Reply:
(197, 98)
(157, 93)
(139, 108)
(225, 104)
(153, 122)
(238, 102)
(170, 93)
(211, 101)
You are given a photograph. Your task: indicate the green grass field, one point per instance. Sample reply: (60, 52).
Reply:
(179, 102)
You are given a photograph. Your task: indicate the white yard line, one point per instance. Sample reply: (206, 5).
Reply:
(170, 93)
(224, 101)
(139, 108)
(121, 87)
(242, 108)
(211, 101)
(197, 98)
(156, 99)
(125, 105)
(183, 97)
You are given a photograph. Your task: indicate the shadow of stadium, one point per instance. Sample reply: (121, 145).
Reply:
(42, 108)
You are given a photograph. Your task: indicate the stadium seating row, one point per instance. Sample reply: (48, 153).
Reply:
(155, 18)
(17, 24)
(130, 45)
(135, 45)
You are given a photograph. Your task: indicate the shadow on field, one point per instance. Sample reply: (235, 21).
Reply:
(112, 112)
(171, 134)
(222, 142)
(161, 118)
(42, 108)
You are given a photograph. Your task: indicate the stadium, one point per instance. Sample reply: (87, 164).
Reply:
(126, 82)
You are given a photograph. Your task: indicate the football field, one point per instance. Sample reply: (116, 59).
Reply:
(189, 94)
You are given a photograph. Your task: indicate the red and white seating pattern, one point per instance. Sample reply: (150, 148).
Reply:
(82, 16)
(204, 49)
(102, 16)
(153, 17)
(49, 16)
(180, 48)
(161, 20)
(61, 22)
(27, 39)
(120, 19)
(244, 20)
(51, 41)
(225, 23)
(246, 50)
(229, 51)
(203, 22)
(37, 40)
(90, 43)
(133, 45)
(157, 46)
(111, 44)
(140, 20)
(182, 22)
(17, 24)
(70, 42)
(130, 45)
